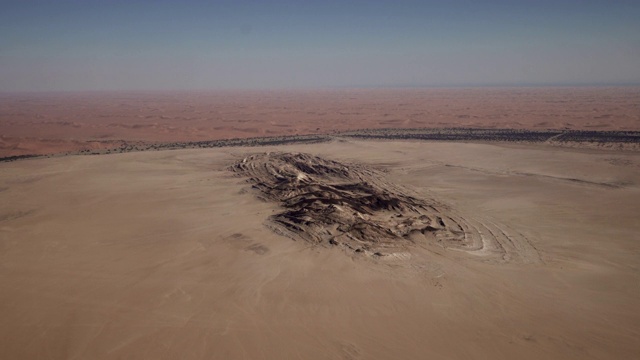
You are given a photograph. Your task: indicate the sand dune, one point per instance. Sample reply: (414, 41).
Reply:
(171, 254)
(30, 122)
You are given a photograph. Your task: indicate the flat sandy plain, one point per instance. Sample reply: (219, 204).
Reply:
(169, 254)
(45, 123)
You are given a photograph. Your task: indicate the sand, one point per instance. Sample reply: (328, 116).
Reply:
(46, 123)
(169, 254)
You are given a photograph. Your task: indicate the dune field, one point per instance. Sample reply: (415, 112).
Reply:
(346, 249)
(47, 123)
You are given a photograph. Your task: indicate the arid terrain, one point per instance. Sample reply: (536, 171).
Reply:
(344, 249)
(48, 123)
(320, 180)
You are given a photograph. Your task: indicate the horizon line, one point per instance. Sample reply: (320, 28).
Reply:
(343, 87)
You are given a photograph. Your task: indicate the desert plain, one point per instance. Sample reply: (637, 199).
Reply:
(344, 249)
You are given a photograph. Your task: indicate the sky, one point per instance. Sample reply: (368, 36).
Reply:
(193, 45)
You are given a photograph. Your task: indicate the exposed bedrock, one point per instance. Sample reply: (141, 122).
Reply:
(356, 207)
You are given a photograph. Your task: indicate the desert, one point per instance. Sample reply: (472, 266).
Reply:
(373, 180)
(47, 123)
(346, 248)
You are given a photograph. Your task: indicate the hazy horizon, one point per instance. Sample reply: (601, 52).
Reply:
(235, 45)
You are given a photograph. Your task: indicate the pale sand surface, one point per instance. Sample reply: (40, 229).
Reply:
(158, 255)
(43, 123)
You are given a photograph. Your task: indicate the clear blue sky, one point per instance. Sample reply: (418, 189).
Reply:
(138, 45)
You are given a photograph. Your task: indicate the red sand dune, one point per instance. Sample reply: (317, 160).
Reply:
(57, 122)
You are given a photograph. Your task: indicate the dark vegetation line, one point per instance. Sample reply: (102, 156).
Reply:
(17, 157)
(453, 134)
(471, 134)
